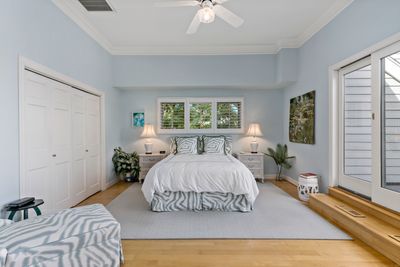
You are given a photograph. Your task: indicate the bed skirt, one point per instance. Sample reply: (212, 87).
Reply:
(193, 201)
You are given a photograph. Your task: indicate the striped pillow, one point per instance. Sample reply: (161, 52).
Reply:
(186, 145)
(214, 144)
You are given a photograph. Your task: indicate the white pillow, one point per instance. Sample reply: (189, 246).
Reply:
(5, 222)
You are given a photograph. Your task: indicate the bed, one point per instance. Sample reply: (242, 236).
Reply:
(200, 182)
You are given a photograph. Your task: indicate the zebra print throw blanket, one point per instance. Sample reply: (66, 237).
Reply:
(83, 236)
(217, 173)
(192, 201)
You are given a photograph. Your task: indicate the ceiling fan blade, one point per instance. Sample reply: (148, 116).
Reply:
(194, 25)
(221, 1)
(177, 3)
(228, 16)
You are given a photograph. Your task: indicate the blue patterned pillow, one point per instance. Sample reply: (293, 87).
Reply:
(187, 145)
(214, 144)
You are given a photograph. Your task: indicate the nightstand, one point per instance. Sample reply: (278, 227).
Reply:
(254, 162)
(146, 161)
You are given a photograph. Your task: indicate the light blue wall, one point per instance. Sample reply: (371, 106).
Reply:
(263, 106)
(362, 24)
(41, 32)
(243, 71)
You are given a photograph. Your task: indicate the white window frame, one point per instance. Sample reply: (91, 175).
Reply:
(187, 101)
(353, 183)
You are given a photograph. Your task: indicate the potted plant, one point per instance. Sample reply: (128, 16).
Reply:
(280, 156)
(126, 164)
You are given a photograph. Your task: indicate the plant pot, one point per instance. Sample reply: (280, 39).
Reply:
(279, 173)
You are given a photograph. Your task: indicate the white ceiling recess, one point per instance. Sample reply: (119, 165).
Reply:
(138, 27)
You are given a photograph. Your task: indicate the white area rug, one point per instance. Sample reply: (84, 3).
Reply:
(276, 215)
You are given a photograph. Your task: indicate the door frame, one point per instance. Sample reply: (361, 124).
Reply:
(334, 119)
(27, 64)
(349, 182)
(381, 195)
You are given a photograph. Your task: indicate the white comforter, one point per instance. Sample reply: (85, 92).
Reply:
(200, 173)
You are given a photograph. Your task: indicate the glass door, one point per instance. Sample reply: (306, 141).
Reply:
(355, 126)
(386, 127)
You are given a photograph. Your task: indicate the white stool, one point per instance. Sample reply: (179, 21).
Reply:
(307, 186)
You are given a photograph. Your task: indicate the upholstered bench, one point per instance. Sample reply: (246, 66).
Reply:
(83, 236)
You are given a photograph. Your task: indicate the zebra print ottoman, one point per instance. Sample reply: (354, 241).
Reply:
(83, 236)
(193, 201)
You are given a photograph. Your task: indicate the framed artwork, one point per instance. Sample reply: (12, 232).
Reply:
(302, 119)
(138, 119)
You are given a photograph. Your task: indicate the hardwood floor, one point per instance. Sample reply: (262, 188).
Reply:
(246, 253)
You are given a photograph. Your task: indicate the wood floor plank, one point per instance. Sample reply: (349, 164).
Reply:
(243, 253)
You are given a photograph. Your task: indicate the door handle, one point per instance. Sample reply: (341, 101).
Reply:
(87, 150)
(54, 155)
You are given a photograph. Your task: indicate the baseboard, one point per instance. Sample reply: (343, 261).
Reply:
(285, 177)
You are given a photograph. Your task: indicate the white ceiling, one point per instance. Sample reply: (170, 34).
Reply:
(137, 27)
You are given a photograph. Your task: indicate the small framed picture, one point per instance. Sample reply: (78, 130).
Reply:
(137, 119)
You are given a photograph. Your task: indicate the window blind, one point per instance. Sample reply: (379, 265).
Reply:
(200, 115)
(172, 115)
(229, 115)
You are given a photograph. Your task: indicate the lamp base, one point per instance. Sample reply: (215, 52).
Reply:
(148, 148)
(254, 147)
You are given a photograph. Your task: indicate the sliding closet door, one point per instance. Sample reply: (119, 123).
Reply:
(36, 139)
(78, 183)
(386, 134)
(60, 144)
(92, 144)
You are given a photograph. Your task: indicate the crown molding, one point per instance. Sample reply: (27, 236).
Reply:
(79, 18)
(83, 23)
(322, 21)
(195, 50)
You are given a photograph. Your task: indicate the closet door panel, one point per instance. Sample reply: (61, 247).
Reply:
(78, 179)
(93, 143)
(61, 145)
(37, 139)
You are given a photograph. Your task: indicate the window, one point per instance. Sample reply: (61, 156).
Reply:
(200, 115)
(172, 115)
(229, 115)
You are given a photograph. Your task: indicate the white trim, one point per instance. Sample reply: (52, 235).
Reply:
(349, 182)
(187, 101)
(334, 102)
(83, 23)
(380, 194)
(27, 64)
(78, 16)
(322, 21)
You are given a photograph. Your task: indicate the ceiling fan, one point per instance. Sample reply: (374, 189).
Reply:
(207, 12)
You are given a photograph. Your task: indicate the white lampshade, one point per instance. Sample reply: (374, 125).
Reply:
(148, 131)
(254, 130)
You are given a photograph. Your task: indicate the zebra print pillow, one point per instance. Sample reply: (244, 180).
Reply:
(186, 145)
(214, 144)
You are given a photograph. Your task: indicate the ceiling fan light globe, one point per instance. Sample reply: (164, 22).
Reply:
(206, 15)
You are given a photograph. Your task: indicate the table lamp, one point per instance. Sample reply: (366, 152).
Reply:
(148, 132)
(254, 130)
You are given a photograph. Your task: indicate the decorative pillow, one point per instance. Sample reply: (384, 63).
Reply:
(172, 145)
(187, 145)
(214, 144)
(228, 144)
